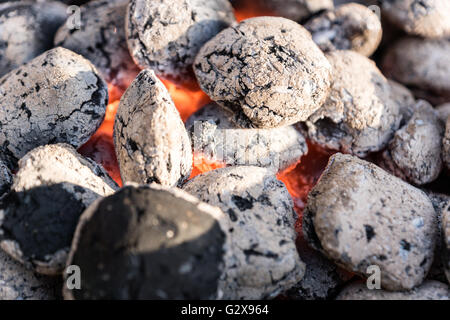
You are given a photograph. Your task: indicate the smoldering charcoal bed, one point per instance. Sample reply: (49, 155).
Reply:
(225, 149)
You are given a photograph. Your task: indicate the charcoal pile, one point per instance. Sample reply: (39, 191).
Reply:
(260, 150)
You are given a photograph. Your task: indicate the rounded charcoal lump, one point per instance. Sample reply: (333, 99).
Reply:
(429, 290)
(56, 97)
(148, 242)
(359, 215)
(359, 115)
(218, 138)
(26, 31)
(425, 18)
(349, 27)
(166, 35)
(281, 83)
(101, 39)
(261, 217)
(53, 186)
(404, 99)
(152, 144)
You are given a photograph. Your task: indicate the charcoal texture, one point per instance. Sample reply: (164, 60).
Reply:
(56, 97)
(215, 136)
(152, 144)
(5, 178)
(264, 260)
(446, 240)
(166, 35)
(148, 242)
(404, 99)
(27, 30)
(446, 145)
(443, 111)
(348, 27)
(281, 83)
(359, 215)
(359, 115)
(52, 188)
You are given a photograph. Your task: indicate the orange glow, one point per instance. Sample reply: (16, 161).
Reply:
(202, 164)
(249, 9)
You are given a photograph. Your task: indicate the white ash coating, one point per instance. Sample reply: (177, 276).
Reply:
(265, 261)
(446, 240)
(443, 111)
(152, 144)
(216, 137)
(166, 35)
(56, 97)
(429, 290)
(296, 10)
(27, 30)
(359, 115)
(446, 145)
(359, 215)
(421, 64)
(425, 18)
(60, 169)
(404, 99)
(5, 178)
(349, 27)
(414, 153)
(19, 283)
(282, 82)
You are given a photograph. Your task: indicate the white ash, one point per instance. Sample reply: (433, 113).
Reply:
(19, 283)
(429, 290)
(216, 137)
(101, 39)
(349, 27)
(446, 145)
(414, 153)
(56, 97)
(359, 215)
(283, 82)
(150, 242)
(404, 99)
(53, 186)
(27, 30)
(166, 35)
(265, 261)
(359, 115)
(5, 178)
(424, 18)
(422, 65)
(446, 240)
(152, 144)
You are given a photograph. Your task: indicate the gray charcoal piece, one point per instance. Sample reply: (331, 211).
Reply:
(152, 144)
(5, 178)
(414, 153)
(150, 242)
(443, 111)
(215, 136)
(422, 65)
(101, 39)
(429, 290)
(260, 210)
(446, 145)
(281, 83)
(360, 116)
(349, 27)
(56, 97)
(424, 18)
(52, 188)
(446, 240)
(19, 283)
(27, 30)
(297, 10)
(166, 35)
(404, 99)
(359, 215)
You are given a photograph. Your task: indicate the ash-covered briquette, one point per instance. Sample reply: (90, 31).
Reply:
(5, 178)
(56, 97)
(426, 18)
(149, 242)
(282, 82)
(53, 186)
(215, 136)
(429, 290)
(349, 27)
(322, 278)
(152, 144)
(166, 35)
(265, 261)
(414, 154)
(27, 30)
(446, 240)
(101, 39)
(443, 111)
(19, 283)
(404, 99)
(360, 115)
(446, 145)
(359, 215)
(422, 65)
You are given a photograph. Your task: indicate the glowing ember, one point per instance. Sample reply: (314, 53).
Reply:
(201, 165)
(249, 9)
